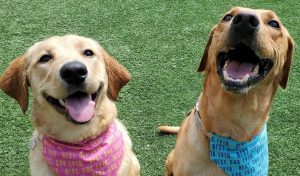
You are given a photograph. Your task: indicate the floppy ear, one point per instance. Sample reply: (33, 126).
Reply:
(118, 76)
(13, 82)
(204, 59)
(286, 67)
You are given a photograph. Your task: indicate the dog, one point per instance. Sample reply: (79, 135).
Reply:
(74, 85)
(247, 56)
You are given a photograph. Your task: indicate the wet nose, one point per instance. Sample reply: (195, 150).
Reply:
(245, 23)
(74, 72)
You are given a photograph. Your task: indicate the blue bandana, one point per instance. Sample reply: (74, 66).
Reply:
(241, 158)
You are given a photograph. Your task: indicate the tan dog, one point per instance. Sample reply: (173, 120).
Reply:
(247, 56)
(74, 84)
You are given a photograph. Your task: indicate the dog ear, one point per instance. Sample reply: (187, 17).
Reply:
(13, 82)
(204, 58)
(287, 64)
(118, 76)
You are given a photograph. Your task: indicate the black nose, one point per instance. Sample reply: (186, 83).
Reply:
(245, 23)
(73, 72)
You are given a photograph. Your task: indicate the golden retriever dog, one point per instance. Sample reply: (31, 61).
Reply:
(74, 85)
(248, 54)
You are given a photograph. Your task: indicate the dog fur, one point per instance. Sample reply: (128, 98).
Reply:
(105, 75)
(238, 114)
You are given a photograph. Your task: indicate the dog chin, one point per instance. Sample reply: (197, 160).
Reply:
(240, 69)
(78, 107)
(236, 90)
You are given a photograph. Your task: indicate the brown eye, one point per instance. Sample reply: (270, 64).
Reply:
(274, 24)
(227, 17)
(88, 53)
(45, 58)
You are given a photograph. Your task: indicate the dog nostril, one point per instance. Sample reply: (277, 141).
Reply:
(74, 72)
(245, 23)
(82, 71)
(237, 19)
(253, 21)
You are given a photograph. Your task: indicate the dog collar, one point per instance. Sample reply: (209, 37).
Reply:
(238, 158)
(198, 118)
(99, 156)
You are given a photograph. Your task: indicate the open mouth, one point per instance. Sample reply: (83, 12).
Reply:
(78, 107)
(240, 68)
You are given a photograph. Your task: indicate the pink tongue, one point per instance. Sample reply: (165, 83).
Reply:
(238, 70)
(81, 109)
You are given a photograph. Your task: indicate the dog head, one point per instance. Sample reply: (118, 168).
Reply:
(246, 48)
(68, 76)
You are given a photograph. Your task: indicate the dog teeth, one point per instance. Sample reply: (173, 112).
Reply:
(226, 77)
(245, 78)
(62, 102)
(255, 70)
(242, 81)
(226, 63)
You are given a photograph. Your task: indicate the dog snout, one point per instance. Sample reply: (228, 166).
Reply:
(245, 23)
(74, 72)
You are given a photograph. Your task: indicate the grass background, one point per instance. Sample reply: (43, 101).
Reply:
(161, 43)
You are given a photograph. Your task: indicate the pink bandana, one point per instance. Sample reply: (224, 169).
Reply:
(99, 156)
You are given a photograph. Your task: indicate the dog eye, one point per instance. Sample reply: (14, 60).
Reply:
(274, 24)
(227, 17)
(46, 58)
(88, 53)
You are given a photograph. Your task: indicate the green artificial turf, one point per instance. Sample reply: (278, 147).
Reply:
(160, 42)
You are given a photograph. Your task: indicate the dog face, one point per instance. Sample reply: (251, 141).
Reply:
(246, 48)
(68, 77)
